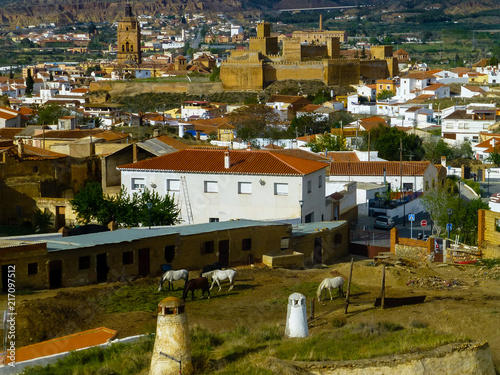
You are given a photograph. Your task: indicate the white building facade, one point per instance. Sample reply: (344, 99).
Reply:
(218, 185)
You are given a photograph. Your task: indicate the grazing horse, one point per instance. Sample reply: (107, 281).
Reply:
(336, 282)
(193, 284)
(172, 276)
(218, 276)
(209, 269)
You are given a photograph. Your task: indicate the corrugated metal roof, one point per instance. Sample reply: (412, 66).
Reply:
(376, 168)
(241, 162)
(308, 228)
(55, 242)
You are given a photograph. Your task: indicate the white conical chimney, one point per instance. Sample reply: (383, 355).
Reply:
(181, 130)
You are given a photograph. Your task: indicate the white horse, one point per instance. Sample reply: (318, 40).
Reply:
(172, 276)
(221, 275)
(336, 282)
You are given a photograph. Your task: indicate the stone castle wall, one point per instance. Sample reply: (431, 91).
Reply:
(121, 88)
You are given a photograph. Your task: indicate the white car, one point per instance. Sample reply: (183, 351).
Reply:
(383, 222)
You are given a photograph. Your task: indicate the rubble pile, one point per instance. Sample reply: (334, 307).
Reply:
(434, 282)
(488, 273)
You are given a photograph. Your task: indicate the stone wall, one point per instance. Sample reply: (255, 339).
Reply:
(238, 76)
(452, 359)
(121, 88)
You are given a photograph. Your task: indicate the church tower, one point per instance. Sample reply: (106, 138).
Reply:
(129, 39)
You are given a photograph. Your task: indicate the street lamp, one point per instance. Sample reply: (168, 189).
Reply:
(149, 205)
(449, 211)
(301, 203)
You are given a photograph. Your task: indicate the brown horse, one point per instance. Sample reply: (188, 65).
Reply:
(193, 284)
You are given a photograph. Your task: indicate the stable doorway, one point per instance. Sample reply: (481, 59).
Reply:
(318, 251)
(224, 253)
(55, 274)
(102, 268)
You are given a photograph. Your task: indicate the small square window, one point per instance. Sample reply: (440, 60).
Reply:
(32, 268)
(244, 188)
(138, 183)
(173, 185)
(84, 263)
(320, 181)
(280, 189)
(213, 219)
(211, 187)
(207, 247)
(128, 257)
(309, 186)
(246, 244)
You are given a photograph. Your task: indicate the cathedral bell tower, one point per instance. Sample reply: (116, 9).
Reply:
(129, 39)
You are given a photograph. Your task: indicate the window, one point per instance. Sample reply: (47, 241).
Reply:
(246, 244)
(486, 126)
(309, 186)
(35, 169)
(127, 257)
(211, 187)
(32, 268)
(497, 225)
(173, 185)
(138, 183)
(407, 186)
(337, 239)
(285, 243)
(244, 188)
(320, 181)
(84, 263)
(460, 125)
(280, 189)
(169, 253)
(213, 219)
(207, 247)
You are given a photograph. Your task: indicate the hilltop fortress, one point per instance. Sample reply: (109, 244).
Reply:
(264, 63)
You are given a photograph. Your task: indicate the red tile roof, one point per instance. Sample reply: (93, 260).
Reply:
(64, 344)
(241, 162)
(376, 168)
(343, 156)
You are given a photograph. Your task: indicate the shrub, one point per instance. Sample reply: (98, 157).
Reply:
(418, 324)
(338, 322)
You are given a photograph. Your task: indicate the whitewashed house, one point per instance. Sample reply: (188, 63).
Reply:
(416, 175)
(465, 123)
(219, 185)
(471, 91)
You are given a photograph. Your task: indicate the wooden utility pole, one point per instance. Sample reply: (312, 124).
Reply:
(382, 293)
(312, 309)
(348, 287)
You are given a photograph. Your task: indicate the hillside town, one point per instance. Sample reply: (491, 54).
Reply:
(197, 141)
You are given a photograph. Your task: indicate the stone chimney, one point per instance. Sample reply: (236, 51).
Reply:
(227, 161)
(249, 146)
(134, 153)
(443, 161)
(493, 141)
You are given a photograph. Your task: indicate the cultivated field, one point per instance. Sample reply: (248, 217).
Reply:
(461, 300)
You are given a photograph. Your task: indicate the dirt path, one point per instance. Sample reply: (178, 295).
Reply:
(458, 302)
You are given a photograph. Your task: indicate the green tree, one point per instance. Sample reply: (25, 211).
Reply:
(436, 202)
(88, 202)
(387, 140)
(128, 210)
(494, 157)
(49, 113)
(252, 120)
(436, 148)
(4, 100)
(463, 150)
(385, 94)
(214, 76)
(42, 220)
(327, 142)
(309, 123)
(493, 61)
(363, 53)
(29, 84)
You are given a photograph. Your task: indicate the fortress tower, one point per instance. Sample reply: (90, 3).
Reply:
(129, 39)
(172, 342)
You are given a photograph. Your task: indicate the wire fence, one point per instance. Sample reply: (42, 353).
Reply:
(369, 237)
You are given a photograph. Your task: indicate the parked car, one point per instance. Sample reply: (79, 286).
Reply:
(383, 222)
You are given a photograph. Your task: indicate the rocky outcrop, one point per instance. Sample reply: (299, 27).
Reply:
(34, 12)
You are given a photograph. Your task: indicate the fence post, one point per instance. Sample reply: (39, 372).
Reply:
(348, 287)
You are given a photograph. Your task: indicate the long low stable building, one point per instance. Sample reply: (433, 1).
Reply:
(53, 261)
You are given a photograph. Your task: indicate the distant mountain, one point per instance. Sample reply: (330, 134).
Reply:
(33, 12)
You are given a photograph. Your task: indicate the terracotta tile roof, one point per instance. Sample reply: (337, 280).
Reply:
(376, 168)
(385, 81)
(70, 134)
(481, 63)
(420, 98)
(400, 52)
(307, 138)
(7, 116)
(63, 344)
(32, 152)
(25, 111)
(109, 135)
(434, 86)
(272, 146)
(178, 145)
(422, 75)
(413, 109)
(343, 156)
(310, 108)
(302, 154)
(460, 70)
(241, 162)
(474, 89)
(9, 133)
(487, 143)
